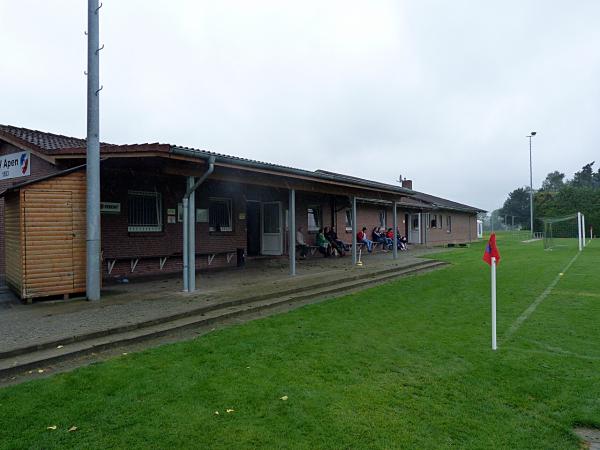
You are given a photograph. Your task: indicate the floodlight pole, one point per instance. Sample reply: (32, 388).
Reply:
(533, 133)
(93, 155)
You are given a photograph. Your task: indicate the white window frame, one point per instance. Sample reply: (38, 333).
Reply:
(348, 219)
(158, 203)
(449, 224)
(318, 225)
(229, 204)
(382, 218)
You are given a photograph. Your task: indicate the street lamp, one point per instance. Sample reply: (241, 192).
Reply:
(533, 133)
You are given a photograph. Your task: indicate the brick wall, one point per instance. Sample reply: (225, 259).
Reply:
(118, 241)
(463, 229)
(38, 168)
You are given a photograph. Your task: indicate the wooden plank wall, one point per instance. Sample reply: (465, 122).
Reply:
(54, 236)
(12, 236)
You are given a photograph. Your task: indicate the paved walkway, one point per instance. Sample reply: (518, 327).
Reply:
(123, 304)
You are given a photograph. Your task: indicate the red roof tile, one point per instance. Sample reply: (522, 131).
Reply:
(57, 144)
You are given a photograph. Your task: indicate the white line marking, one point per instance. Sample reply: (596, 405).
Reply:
(525, 315)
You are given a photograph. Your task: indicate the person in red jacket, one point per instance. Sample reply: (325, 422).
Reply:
(361, 236)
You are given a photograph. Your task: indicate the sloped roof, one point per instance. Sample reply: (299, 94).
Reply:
(41, 140)
(56, 144)
(444, 203)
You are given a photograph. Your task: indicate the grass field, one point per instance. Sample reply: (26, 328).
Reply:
(403, 365)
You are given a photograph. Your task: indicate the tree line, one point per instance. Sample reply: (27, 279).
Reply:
(557, 197)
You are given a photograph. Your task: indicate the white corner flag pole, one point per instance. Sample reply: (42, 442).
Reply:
(494, 346)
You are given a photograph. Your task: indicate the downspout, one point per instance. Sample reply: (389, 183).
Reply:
(189, 228)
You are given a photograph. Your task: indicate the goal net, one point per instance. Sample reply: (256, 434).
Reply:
(561, 231)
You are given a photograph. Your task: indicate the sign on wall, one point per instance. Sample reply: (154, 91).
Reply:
(15, 165)
(110, 207)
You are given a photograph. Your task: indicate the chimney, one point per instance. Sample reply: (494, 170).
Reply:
(407, 184)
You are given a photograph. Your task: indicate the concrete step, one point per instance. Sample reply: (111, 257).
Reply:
(31, 358)
(358, 275)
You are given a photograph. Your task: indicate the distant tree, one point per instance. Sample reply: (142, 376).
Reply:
(517, 204)
(554, 182)
(596, 180)
(585, 177)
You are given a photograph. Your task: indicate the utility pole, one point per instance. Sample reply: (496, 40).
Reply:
(93, 154)
(533, 133)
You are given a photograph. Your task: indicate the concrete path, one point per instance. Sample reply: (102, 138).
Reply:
(127, 304)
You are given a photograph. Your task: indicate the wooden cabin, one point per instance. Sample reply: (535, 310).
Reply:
(45, 233)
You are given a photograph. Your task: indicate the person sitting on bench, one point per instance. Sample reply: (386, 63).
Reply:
(337, 245)
(361, 237)
(323, 244)
(402, 241)
(390, 235)
(301, 244)
(379, 237)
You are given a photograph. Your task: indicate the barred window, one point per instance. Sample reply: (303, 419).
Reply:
(314, 218)
(219, 214)
(144, 210)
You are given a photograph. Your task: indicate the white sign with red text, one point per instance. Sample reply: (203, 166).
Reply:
(15, 165)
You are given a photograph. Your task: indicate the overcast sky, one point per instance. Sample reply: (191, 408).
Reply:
(442, 92)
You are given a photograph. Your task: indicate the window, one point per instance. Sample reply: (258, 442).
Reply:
(348, 220)
(314, 218)
(415, 222)
(382, 217)
(449, 224)
(434, 222)
(144, 211)
(219, 214)
(271, 219)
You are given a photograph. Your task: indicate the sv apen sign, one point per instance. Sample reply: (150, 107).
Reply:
(15, 165)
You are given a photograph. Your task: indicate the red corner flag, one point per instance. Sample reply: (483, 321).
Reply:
(491, 251)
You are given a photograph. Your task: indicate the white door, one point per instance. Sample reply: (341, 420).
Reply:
(415, 229)
(272, 235)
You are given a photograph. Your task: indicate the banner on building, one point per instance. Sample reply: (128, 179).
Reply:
(15, 165)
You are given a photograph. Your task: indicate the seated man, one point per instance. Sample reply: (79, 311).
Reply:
(337, 244)
(379, 237)
(390, 236)
(361, 236)
(323, 244)
(301, 244)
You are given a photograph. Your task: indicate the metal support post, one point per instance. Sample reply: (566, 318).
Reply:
(191, 237)
(354, 232)
(395, 225)
(292, 231)
(186, 285)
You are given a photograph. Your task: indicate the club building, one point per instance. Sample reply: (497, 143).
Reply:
(241, 207)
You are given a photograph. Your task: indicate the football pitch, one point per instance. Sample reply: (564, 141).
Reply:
(407, 364)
